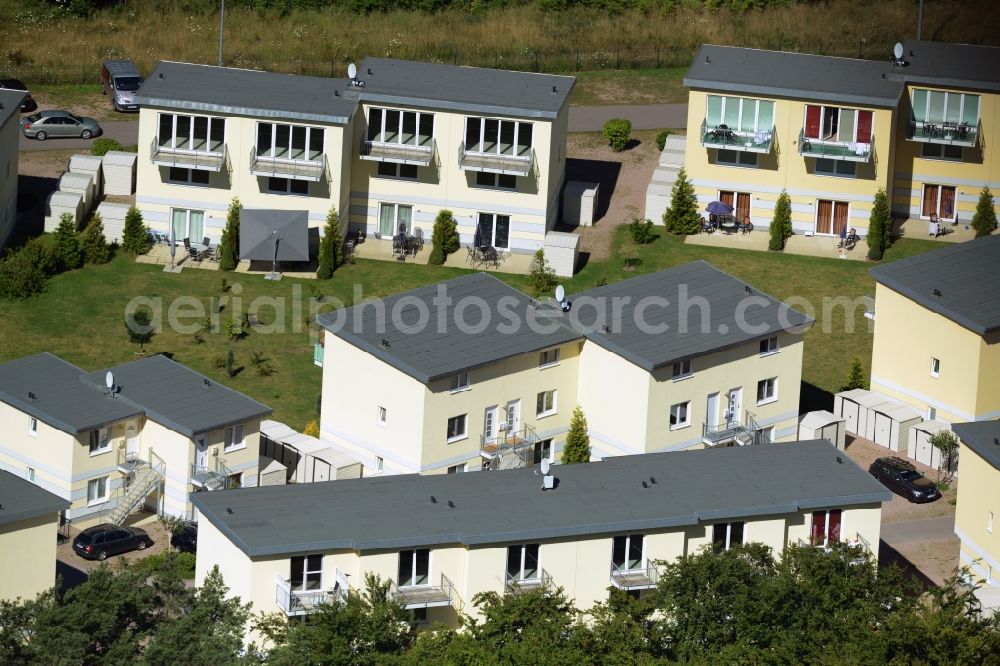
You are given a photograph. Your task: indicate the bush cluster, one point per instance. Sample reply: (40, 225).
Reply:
(617, 131)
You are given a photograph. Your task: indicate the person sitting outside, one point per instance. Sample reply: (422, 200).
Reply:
(934, 228)
(746, 226)
(851, 239)
(706, 226)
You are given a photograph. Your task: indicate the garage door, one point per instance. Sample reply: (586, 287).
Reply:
(849, 410)
(923, 450)
(883, 429)
(829, 433)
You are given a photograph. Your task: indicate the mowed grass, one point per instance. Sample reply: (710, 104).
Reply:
(81, 315)
(629, 86)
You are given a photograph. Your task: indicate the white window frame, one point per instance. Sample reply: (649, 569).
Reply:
(835, 168)
(456, 469)
(306, 572)
(460, 382)
(395, 216)
(682, 370)
(686, 423)
(379, 463)
(940, 187)
(32, 426)
(545, 396)
(380, 136)
(413, 566)
(548, 358)
(29, 474)
(103, 441)
(189, 177)
(767, 348)
(187, 223)
(961, 105)
(837, 139)
(458, 436)
(493, 239)
(100, 499)
(380, 415)
(307, 149)
(398, 171)
(229, 438)
(523, 548)
(482, 135)
(935, 367)
(496, 178)
(208, 129)
(738, 159)
(271, 188)
(729, 534)
(771, 382)
(941, 150)
(628, 546)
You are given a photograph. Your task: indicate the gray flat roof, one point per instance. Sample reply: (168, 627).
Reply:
(471, 89)
(10, 104)
(59, 399)
(246, 92)
(951, 65)
(178, 397)
(798, 75)
(431, 352)
(983, 437)
(691, 487)
(731, 315)
(20, 500)
(958, 281)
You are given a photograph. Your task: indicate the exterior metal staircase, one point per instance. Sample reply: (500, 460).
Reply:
(509, 449)
(142, 477)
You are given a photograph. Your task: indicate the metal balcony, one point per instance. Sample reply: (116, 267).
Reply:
(213, 476)
(514, 585)
(724, 137)
(201, 160)
(279, 167)
(848, 151)
(294, 602)
(733, 432)
(398, 153)
(641, 578)
(426, 596)
(508, 450)
(513, 165)
(951, 134)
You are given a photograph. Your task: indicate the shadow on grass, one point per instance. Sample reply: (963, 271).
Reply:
(69, 576)
(889, 556)
(595, 171)
(812, 398)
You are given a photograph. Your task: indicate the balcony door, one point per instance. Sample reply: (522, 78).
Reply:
(938, 200)
(307, 573)
(740, 201)
(394, 218)
(831, 217)
(490, 423)
(626, 552)
(414, 567)
(522, 562)
(201, 453)
(712, 410)
(512, 417)
(733, 407)
(825, 527)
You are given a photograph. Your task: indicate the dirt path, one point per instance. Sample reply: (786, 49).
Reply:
(623, 178)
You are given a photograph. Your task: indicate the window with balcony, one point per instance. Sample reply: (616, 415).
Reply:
(739, 123)
(405, 137)
(307, 573)
(499, 137)
(938, 200)
(944, 117)
(835, 133)
(290, 142)
(825, 527)
(414, 567)
(680, 415)
(522, 562)
(233, 438)
(767, 390)
(188, 224)
(545, 403)
(457, 428)
(191, 133)
(100, 441)
(726, 535)
(494, 230)
(626, 552)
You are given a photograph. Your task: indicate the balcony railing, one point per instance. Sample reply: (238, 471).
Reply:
(515, 585)
(641, 578)
(848, 151)
(724, 137)
(269, 166)
(509, 449)
(212, 476)
(201, 160)
(399, 153)
(954, 134)
(426, 596)
(515, 165)
(295, 602)
(734, 432)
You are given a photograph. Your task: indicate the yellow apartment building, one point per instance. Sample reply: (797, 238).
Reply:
(979, 506)
(162, 432)
(604, 524)
(389, 149)
(10, 136)
(937, 331)
(29, 524)
(820, 127)
(472, 374)
(948, 117)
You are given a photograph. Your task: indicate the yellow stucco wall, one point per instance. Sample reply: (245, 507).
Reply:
(907, 336)
(28, 556)
(49, 452)
(785, 168)
(978, 501)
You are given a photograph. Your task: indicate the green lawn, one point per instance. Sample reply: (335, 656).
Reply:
(629, 86)
(80, 317)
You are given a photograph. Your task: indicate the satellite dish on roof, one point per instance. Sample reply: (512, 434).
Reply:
(109, 380)
(546, 465)
(352, 71)
(897, 51)
(560, 293)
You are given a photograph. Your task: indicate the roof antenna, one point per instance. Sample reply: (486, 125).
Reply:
(645, 485)
(434, 500)
(451, 505)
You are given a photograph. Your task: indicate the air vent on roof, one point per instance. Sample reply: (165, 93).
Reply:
(554, 90)
(451, 505)
(937, 292)
(32, 396)
(747, 289)
(385, 343)
(207, 383)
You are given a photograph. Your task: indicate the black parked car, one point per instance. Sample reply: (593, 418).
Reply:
(96, 543)
(901, 477)
(186, 540)
(29, 104)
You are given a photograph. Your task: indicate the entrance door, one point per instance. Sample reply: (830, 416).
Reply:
(733, 409)
(131, 443)
(740, 201)
(201, 453)
(490, 423)
(831, 217)
(512, 416)
(938, 200)
(712, 410)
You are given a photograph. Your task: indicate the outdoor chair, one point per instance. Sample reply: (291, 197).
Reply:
(419, 235)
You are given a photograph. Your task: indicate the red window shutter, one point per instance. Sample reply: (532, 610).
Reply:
(818, 527)
(864, 134)
(812, 121)
(834, 533)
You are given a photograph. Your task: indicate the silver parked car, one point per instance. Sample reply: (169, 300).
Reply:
(44, 124)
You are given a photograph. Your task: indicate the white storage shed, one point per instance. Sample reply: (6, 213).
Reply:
(306, 458)
(562, 251)
(919, 445)
(273, 474)
(89, 165)
(82, 184)
(580, 203)
(823, 425)
(854, 406)
(889, 424)
(113, 217)
(63, 202)
(119, 172)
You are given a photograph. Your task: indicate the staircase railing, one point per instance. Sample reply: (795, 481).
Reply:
(148, 475)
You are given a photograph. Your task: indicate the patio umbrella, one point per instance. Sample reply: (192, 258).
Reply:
(719, 208)
(278, 235)
(477, 241)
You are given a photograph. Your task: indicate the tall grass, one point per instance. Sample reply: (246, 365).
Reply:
(50, 48)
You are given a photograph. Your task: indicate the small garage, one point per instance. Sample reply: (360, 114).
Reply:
(823, 425)
(919, 445)
(890, 422)
(273, 474)
(306, 459)
(854, 406)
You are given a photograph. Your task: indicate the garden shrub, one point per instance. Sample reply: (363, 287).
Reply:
(617, 132)
(100, 147)
(661, 139)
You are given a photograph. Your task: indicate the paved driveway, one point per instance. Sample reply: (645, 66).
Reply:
(125, 132)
